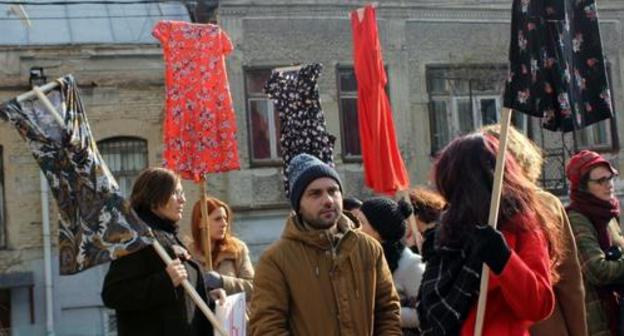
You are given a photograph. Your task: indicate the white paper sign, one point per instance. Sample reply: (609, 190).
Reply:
(231, 315)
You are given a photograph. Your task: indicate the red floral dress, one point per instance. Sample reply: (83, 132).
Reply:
(200, 125)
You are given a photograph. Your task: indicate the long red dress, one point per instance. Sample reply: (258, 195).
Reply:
(384, 170)
(200, 125)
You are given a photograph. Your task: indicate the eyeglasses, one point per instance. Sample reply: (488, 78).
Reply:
(179, 194)
(603, 181)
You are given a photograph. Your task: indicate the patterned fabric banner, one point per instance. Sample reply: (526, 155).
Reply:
(96, 224)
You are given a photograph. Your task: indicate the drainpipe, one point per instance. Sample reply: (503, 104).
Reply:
(47, 255)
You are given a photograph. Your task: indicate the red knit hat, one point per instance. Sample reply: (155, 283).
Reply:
(581, 163)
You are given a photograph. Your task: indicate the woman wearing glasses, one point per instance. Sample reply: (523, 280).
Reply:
(147, 296)
(594, 212)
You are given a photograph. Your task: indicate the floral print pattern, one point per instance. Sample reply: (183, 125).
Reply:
(96, 223)
(200, 125)
(559, 41)
(302, 120)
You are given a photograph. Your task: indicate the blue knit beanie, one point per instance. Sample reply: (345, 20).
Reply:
(302, 170)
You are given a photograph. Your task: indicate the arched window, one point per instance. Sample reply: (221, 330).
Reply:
(126, 157)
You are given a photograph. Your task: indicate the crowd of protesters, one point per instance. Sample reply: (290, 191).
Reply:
(378, 266)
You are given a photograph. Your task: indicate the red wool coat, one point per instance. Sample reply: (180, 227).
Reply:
(522, 294)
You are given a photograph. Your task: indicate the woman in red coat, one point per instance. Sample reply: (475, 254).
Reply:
(518, 253)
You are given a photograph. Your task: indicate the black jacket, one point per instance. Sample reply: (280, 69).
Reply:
(138, 287)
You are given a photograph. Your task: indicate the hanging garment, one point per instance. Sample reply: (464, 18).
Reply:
(200, 125)
(302, 120)
(557, 68)
(384, 170)
(96, 223)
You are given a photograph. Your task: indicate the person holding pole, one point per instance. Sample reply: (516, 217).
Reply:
(385, 220)
(518, 253)
(594, 211)
(232, 268)
(324, 276)
(146, 295)
(569, 316)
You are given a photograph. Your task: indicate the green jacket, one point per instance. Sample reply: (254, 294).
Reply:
(597, 271)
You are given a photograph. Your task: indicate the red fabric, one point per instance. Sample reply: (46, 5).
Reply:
(384, 170)
(522, 294)
(200, 126)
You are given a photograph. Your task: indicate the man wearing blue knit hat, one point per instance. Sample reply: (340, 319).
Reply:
(324, 276)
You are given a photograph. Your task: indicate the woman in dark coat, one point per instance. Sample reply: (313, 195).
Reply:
(147, 296)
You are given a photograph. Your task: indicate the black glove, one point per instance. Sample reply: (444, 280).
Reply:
(213, 280)
(490, 247)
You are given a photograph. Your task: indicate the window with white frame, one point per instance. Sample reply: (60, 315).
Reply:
(463, 99)
(2, 217)
(596, 136)
(126, 157)
(262, 119)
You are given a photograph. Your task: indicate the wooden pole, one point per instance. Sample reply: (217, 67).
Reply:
(191, 291)
(493, 216)
(44, 88)
(159, 249)
(48, 105)
(205, 227)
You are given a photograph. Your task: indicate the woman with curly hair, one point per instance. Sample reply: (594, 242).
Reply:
(428, 206)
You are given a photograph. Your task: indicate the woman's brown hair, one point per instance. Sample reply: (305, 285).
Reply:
(153, 188)
(428, 205)
(227, 244)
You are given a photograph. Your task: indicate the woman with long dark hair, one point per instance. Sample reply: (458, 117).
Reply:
(146, 294)
(594, 210)
(568, 317)
(232, 268)
(518, 252)
(384, 219)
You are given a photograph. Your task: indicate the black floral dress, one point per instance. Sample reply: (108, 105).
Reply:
(302, 121)
(557, 69)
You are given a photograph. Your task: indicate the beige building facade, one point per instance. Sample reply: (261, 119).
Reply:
(445, 62)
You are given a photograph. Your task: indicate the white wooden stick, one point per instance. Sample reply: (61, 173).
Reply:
(48, 105)
(493, 216)
(45, 88)
(205, 226)
(191, 291)
(288, 68)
